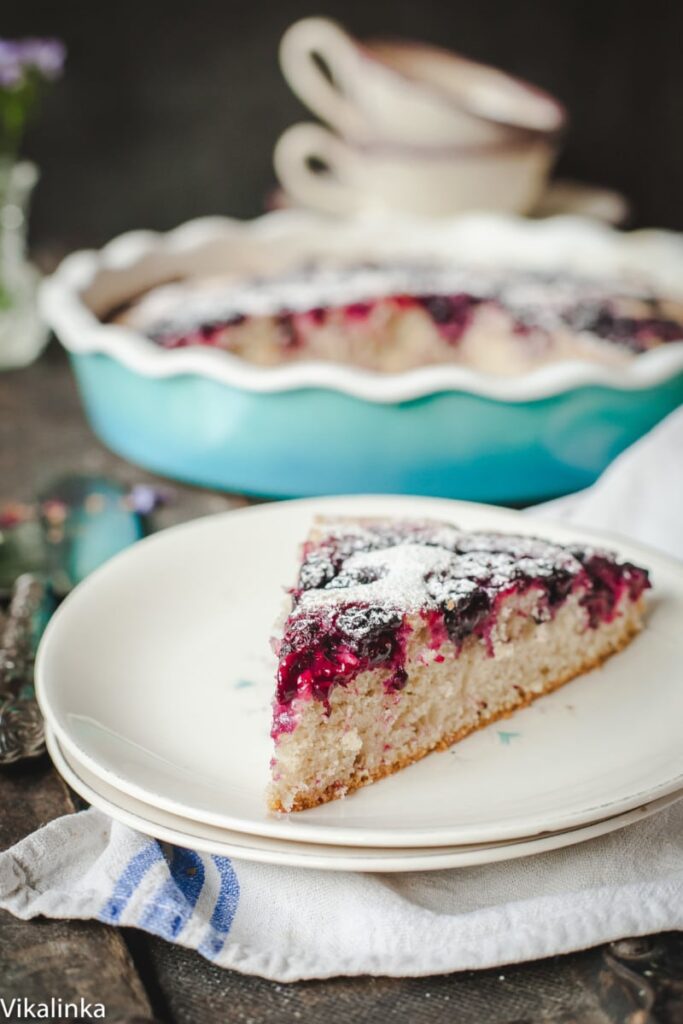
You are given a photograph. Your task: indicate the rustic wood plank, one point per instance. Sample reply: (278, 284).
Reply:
(636, 981)
(562, 990)
(69, 960)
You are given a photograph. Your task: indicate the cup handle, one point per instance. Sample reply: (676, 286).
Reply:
(306, 46)
(297, 149)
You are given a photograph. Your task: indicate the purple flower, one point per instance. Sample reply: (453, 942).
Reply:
(10, 63)
(45, 56)
(145, 499)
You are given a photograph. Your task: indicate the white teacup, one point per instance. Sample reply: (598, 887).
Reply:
(508, 175)
(408, 93)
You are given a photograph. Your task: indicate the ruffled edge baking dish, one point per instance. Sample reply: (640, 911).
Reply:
(90, 282)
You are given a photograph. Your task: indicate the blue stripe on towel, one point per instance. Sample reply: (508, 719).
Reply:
(224, 909)
(172, 905)
(128, 881)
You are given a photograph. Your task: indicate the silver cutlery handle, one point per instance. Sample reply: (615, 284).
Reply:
(21, 723)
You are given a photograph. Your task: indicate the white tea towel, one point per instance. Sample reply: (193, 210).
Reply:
(639, 496)
(292, 923)
(288, 923)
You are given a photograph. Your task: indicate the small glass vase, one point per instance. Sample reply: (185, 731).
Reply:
(22, 332)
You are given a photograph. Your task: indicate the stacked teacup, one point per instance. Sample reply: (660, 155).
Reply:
(412, 128)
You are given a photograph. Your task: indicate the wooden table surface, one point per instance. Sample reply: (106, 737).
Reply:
(43, 434)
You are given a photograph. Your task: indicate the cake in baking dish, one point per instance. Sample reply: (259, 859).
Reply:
(394, 317)
(404, 636)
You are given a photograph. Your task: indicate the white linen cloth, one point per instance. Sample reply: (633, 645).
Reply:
(287, 924)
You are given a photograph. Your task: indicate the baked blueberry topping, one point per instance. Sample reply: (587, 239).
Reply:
(535, 304)
(610, 580)
(558, 587)
(468, 613)
(359, 310)
(317, 653)
(286, 329)
(635, 333)
(359, 574)
(451, 313)
(359, 585)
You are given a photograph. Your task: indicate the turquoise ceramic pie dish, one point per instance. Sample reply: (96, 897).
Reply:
(209, 418)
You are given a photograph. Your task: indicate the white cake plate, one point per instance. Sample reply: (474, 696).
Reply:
(203, 838)
(156, 674)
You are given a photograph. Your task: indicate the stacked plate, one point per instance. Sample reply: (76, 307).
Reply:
(155, 678)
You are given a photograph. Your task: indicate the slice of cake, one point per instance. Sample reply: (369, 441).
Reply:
(405, 636)
(396, 317)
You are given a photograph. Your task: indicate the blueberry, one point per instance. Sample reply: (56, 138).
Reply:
(558, 586)
(371, 631)
(316, 572)
(469, 613)
(440, 308)
(353, 577)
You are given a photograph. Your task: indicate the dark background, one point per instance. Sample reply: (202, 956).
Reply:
(170, 110)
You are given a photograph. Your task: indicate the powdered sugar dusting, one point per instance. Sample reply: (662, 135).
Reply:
(530, 296)
(401, 582)
(411, 566)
